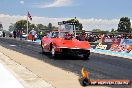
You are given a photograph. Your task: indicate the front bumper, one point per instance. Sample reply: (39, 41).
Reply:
(74, 51)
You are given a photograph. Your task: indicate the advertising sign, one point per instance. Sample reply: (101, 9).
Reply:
(116, 41)
(108, 40)
(126, 42)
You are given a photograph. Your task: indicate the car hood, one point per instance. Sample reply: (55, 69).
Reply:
(74, 43)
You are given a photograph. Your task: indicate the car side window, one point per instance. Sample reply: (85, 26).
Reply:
(54, 35)
(49, 35)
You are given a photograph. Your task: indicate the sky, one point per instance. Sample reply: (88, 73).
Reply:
(101, 14)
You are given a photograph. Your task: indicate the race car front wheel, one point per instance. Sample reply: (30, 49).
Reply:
(53, 52)
(42, 48)
(86, 57)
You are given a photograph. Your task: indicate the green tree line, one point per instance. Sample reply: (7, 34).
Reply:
(21, 25)
(124, 25)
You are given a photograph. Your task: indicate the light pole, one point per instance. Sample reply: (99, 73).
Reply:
(74, 26)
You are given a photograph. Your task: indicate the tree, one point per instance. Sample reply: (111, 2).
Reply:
(1, 27)
(96, 30)
(32, 26)
(77, 24)
(100, 31)
(22, 25)
(124, 25)
(40, 26)
(11, 27)
(50, 26)
(112, 30)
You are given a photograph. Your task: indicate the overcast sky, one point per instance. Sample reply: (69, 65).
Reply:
(103, 14)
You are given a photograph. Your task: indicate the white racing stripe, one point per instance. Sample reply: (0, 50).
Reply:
(7, 80)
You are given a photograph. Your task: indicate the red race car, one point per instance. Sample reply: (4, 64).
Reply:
(60, 42)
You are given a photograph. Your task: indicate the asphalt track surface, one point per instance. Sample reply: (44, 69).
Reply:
(99, 66)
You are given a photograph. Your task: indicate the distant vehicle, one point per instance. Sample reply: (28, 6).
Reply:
(60, 42)
(24, 35)
(1, 33)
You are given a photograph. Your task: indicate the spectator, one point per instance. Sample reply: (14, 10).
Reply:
(82, 37)
(18, 33)
(35, 37)
(10, 35)
(33, 32)
(3, 34)
(21, 33)
(14, 34)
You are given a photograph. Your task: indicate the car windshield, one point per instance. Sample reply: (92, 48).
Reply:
(58, 34)
(55, 34)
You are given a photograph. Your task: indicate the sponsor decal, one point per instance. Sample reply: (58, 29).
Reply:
(100, 46)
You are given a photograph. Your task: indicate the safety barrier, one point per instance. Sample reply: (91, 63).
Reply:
(109, 52)
(118, 46)
(125, 45)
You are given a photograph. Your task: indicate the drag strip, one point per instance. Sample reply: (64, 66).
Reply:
(8, 81)
(99, 66)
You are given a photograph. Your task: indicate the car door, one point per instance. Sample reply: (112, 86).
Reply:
(46, 41)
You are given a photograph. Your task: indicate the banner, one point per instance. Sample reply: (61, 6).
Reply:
(111, 40)
(116, 41)
(108, 40)
(126, 42)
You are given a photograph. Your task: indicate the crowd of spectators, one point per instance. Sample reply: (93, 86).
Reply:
(122, 36)
(96, 37)
(22, 35)
(90, 37)
(81, 36)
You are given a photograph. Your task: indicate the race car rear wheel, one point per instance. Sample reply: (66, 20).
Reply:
(42, 48)
(86, 57)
